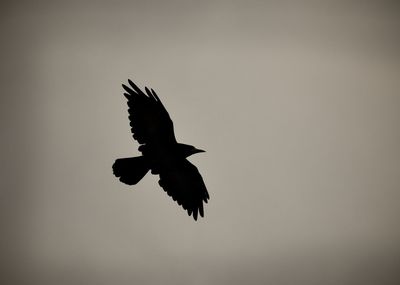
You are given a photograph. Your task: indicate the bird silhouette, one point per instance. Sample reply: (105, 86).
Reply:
(152, 127)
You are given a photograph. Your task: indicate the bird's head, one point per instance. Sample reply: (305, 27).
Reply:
(188, 150)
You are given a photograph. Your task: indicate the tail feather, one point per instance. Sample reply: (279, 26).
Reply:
(130, 170)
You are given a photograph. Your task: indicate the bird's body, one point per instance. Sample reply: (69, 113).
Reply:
(160, 156)
(161, 153)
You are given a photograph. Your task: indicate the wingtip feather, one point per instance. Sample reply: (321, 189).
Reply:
(155, 95)
(149, 93)
(134, 86)
(195, 214)
(201, 209)
(131, 82)
(127, 89)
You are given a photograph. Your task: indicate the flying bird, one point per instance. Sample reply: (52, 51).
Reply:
(153, 129)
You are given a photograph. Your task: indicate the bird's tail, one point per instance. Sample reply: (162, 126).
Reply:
(130, 170)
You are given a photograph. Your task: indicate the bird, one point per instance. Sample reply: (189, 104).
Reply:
(153, 129)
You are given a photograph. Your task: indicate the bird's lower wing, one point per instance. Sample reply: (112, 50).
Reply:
(183, 182)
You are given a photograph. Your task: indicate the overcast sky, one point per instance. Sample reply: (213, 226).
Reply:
(297, 104)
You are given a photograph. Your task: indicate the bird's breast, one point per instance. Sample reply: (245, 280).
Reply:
(159, 156)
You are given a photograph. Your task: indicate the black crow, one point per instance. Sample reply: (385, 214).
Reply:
(152, 127)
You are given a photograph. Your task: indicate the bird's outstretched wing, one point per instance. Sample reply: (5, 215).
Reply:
(149, 120)
(183, 182)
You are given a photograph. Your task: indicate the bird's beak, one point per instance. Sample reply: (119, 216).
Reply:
(199, 150)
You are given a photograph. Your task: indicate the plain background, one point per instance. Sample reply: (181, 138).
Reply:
(296, 102)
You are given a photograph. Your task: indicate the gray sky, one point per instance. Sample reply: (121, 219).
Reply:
(296, 102)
